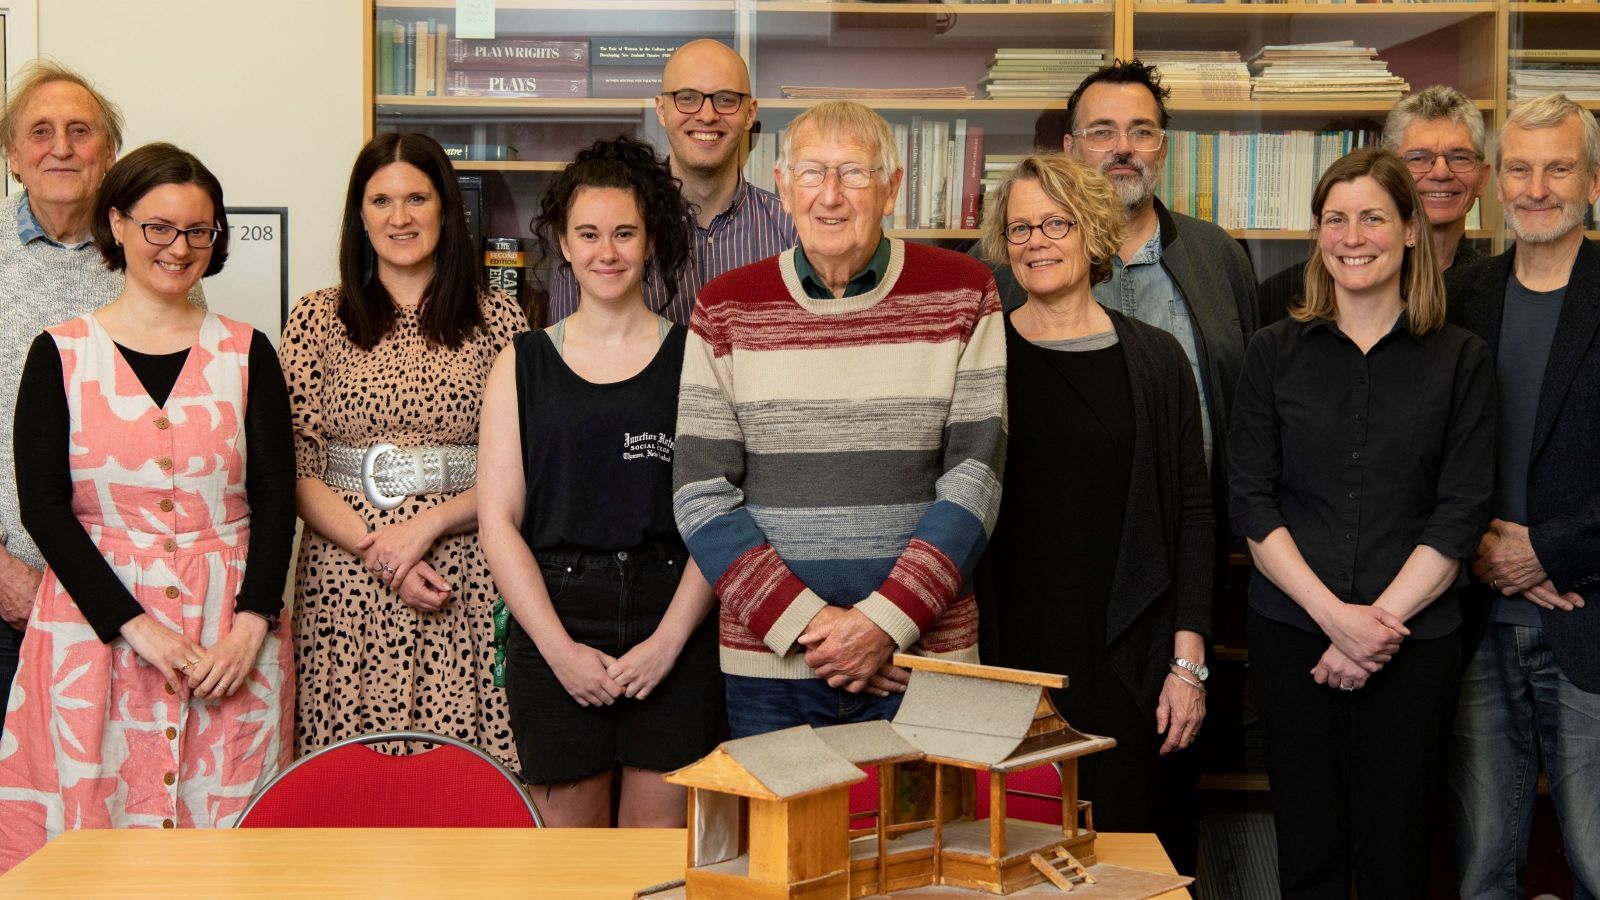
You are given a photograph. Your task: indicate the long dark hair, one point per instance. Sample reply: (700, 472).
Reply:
(631, 165)
(450, 312)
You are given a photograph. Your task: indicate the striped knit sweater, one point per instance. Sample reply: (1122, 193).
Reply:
(843, 452)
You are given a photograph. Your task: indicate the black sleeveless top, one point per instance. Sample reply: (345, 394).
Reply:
(597, 458)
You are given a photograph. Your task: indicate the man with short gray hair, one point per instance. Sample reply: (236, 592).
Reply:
(1532, 684)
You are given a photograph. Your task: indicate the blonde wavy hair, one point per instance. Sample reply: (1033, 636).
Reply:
(1421, 286)
(1081, 191)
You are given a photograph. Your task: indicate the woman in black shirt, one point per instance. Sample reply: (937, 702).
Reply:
(1360, 459)
(1099, 566)
(610, 658)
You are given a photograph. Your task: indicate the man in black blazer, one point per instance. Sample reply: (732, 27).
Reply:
(1533, 680)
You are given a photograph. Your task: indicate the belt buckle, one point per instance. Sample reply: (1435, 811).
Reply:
(369, 482)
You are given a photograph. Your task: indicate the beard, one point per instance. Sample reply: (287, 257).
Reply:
(1133, 190)
(1571, 217)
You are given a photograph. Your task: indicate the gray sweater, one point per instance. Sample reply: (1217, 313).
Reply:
(40, 284)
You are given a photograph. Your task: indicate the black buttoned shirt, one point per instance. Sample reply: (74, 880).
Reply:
(1363, 457)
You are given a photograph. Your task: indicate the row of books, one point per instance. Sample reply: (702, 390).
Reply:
(1201, 74)
(943, 161)
(1251, 179)
(1043, 73)
(419, 58)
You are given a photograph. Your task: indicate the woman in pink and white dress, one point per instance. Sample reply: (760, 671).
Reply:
(156, 473)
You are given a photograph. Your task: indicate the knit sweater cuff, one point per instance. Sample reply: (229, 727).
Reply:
(895, 623)
(792, 623)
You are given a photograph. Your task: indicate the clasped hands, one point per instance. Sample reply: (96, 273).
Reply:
(211, 673)
(594, 678)
(1506, 562)
(852, 652)
(1364, 639)
(393, 554)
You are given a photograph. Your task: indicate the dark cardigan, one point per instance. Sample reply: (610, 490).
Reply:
(1162, 580)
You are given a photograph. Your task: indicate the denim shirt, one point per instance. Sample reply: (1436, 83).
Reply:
(29, 229)
(1142, 290)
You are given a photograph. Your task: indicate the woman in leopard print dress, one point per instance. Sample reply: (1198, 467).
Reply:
(393, 608)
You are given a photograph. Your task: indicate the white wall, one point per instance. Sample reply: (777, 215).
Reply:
(268, 93)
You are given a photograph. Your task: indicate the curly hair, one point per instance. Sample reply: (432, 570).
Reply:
(632, 165)
(1080, 190)
(450, 312)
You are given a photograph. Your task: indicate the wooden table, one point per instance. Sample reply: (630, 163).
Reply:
(190, 864)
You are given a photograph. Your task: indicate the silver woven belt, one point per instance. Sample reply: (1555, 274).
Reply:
(387, 474)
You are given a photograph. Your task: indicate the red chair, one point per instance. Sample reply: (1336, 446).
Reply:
(864, 800)
(1032, 794)
(351, 785)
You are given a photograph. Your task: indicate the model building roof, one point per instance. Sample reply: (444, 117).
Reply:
(966, 718)
(779, 765)
(868, 743)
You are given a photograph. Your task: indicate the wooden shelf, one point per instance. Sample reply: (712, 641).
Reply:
(1292, 107)
(635, 6)
(933, 234)
(1232, 781)
(1276, 10)
(1032, 106)
(515, 103)
(922, 9)
(1521, 7)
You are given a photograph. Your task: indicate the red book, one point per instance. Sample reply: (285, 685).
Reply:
(972, 182)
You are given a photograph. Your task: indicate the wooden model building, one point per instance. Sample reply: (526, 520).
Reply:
(769, 815)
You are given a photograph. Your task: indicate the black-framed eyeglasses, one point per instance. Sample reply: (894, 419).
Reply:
(1142, 138)
(851, 175)
(689, 101)
(1420, 162)
(163, 235)
(1055, 228)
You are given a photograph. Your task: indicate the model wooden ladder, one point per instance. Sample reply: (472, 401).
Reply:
(1063, 870)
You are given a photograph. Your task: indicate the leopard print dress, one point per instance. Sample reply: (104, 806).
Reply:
(364, 661)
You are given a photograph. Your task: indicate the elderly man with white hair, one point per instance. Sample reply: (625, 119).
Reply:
(841, 428)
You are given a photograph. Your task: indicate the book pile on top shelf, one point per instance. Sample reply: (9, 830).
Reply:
(1038, 73)
(1333, 70)
(1573, 72)
(943, 161)
(1201, 74)
(1249, 179)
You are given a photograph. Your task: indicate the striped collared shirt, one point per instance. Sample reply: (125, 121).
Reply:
(752, 228)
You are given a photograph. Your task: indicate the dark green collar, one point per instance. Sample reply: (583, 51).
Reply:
(864, 281)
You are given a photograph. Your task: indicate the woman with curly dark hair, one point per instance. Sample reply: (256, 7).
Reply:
(393, 611)
(610, 657)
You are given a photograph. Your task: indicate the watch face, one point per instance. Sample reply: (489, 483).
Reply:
(1203, 671)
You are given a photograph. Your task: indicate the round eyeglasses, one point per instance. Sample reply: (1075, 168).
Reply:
(689, 101)
(1420, 162)
(163, 235)
(1141, 138)
(1055, 228)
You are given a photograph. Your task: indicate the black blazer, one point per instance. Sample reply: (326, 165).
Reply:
(1564, 470)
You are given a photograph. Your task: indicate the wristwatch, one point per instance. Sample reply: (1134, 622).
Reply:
(1200, 670)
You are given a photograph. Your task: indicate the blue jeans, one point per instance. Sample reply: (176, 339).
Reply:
(759, 705)
(1515, 706)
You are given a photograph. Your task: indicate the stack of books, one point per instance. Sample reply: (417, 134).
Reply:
(1038, 73)
(1574, 72)
(1334, 70)
(516, 67)
(1201, 74)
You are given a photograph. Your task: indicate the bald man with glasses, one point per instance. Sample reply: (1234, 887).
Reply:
(707, 110)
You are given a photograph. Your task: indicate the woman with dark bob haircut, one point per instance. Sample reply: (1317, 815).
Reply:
(154, 473)
(1100, 563)
(1361, 462)
(610, 657)
(393, 603)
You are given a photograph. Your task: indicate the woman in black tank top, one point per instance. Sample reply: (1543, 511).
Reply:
(611, 658)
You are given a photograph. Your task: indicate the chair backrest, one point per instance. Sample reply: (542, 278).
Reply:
(864, 800)
(1032, 794)
(351, 785)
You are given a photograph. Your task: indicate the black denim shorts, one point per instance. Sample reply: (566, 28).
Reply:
(611, 602)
